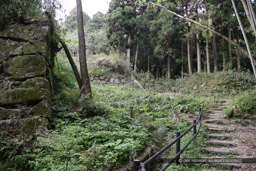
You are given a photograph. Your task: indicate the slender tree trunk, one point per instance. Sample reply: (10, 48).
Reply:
(136, 57)
(86, 88)
(224, 61)
(182, 59)
(169, 66)
(224, 58)
(190, 71)
(245, 39)
(207, 53)
(148, 63)
(192, 43)
(129, 51)
(198, 52)
(247, 4)
(238, 57)
(199, 60)
(230, 50)
(72, 63)
(215, 57)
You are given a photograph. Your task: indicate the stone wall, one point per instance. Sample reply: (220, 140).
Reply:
(24, 78)
(113, 79)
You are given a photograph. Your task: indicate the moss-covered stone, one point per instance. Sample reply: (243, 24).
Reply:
(42, 109)
(37, 82)
(8, 113)
(23, 95)
(9, 48)
(32, 125)
(36, 47)
(26, 32)
(24, 67)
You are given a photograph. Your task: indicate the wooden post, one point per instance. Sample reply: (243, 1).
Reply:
(130, 112)
(178, 148)
(194, 127)
(136, 165)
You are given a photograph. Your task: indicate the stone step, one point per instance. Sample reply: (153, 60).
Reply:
(211, 120)
(219, 136)
(216, 129)
(220, 151)
(214, 120)
(231, 166)
(220, 143)
(211, 125)
(215, 117)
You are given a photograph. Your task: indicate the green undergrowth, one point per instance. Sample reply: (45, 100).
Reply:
(110, 139)
(243, 105)
(201, 84)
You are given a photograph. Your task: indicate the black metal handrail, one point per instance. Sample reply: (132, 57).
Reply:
(138, 165)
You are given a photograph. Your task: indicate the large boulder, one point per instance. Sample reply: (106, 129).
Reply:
(25, 96)
(24, 67)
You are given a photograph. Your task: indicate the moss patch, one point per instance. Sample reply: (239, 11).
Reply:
(24, 67)
(23, 95)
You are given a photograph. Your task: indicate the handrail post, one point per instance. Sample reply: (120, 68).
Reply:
(178, 148)
(136, 165)
(194, 127)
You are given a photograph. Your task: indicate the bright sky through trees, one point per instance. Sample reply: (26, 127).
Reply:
(89, 6)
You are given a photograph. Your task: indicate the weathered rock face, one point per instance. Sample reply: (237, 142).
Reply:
(24, 87)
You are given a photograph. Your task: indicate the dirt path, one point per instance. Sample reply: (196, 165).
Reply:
(227, 139)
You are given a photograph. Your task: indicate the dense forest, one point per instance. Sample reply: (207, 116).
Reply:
(121, 85)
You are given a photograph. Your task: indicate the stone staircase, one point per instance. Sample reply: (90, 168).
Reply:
(220, 143)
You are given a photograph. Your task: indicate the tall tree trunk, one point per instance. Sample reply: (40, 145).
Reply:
(169, 67)
(129, 51)
(207, 53)
(245, 39)
(86, 88)
(199, 60)
(182, 59)
(238, 57)
(136, 57)
(190, 71)
(215, 57)
(198, 52)
(148, 63)
(229, 50)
